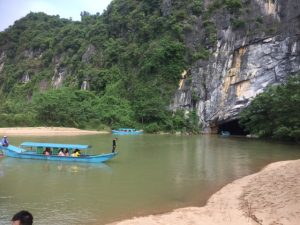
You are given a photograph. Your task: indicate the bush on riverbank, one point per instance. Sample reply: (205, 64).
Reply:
(276, 112)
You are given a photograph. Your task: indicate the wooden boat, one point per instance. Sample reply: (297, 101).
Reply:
(125, 131)
(34, 150)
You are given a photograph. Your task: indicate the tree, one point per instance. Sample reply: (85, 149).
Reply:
(64, 107)
(275, 113)
(114, 111)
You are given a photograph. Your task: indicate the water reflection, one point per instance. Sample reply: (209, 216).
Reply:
(52, 166)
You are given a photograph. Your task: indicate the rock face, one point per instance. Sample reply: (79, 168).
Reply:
(60, 73)
(166, 6)
(86, 57)
(85, 85)
(239, 66)
(2, 58)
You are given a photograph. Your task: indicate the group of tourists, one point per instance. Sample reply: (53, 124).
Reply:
(63, 152)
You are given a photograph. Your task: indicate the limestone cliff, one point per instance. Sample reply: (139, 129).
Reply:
(242, 62)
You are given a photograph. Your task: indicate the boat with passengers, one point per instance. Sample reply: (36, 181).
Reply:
(37, 150)
(125, 131)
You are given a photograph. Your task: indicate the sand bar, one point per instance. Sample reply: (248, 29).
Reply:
(269, 197)
(46, 131)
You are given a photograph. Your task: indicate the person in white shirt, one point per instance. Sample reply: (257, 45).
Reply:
(4, 141)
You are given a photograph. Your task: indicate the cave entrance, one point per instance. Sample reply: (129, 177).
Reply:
(233, 127)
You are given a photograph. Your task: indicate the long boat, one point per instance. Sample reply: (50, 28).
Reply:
(127, 131)
(35, 150)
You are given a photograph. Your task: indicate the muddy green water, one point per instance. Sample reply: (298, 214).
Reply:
(152, 174)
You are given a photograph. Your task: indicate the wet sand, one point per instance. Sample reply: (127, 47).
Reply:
(269, 197)
(46, 131)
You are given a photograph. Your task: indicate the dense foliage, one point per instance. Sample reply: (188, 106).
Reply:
(131, 56)
(276, 112)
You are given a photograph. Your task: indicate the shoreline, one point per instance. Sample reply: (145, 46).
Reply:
(270, 196)
(47, 131)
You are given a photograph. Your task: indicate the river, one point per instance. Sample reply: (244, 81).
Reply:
(152, 174)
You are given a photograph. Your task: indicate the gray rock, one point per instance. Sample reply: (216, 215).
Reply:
(60, 74)
(240, 67)
(86, 57)
(166, 7)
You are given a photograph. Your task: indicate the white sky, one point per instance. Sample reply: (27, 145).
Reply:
(12, 10)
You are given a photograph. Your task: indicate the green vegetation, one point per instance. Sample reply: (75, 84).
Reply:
(238, 23)
(233, 5)
(133, 67)
(276, 112)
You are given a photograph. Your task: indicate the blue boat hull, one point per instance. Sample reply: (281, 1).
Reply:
(85, 159)
(126, 133)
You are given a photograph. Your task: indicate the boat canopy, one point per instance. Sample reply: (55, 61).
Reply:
(53, 145)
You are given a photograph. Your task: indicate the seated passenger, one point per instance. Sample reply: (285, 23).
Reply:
(61, 152)
(67, 152)
(76, 153)
(47, 151)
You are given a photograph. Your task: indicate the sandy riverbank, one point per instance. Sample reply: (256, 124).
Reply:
(270, 197)
(46, 131)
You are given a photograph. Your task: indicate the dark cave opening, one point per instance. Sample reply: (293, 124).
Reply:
(233, 127)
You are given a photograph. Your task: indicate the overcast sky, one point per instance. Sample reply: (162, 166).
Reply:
(12, 10)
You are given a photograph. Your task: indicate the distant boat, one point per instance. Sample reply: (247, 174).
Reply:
(34, 150)
(125, 131)
(225, 133)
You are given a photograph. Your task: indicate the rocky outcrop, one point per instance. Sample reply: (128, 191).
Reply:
(85, 85)
(2, 58)
(166, 7)
(25, 78)
(60, 73)
(86, 57)
(33, 54)
(241, 66)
